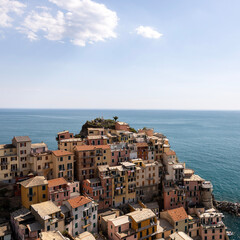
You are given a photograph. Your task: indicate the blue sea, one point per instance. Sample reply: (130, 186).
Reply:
(207, 141)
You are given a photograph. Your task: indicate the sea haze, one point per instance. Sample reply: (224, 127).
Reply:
(208, 141)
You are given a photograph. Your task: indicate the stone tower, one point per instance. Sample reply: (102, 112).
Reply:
(206, 194)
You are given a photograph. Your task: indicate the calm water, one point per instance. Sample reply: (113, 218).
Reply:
(208, 141)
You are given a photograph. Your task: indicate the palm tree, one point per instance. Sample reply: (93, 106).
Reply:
(115, 118)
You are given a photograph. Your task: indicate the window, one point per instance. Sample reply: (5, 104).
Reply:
(76, 225)
(76, 233)
(213, 237)
(220, 236)
(76, 217)
(139, 225)
(85, 205)
(44, 195)
(56, 224)
(176, 223)
(48, 228)
(43, 187)
(220, 230)
(94, 225)
(205, 238)
(94, 216)
(185, 220)
(69, 157)
(205, 231)
(61, 159)
(30, 199)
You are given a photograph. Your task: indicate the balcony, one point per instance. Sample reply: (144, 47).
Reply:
(85, 226)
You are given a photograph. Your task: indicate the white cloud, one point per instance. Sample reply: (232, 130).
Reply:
(7, 8)
(80, 21)
(148, 32)
(53, 27)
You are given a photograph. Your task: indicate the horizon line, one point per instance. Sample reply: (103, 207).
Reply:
(122, 109)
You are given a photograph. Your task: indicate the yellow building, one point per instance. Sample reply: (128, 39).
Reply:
(69, 144)
(144, 222)
(147, 179)
(63, 164)
(9, 166)
(124, 183)
(177, 217)
(34, 190)
(41, 164)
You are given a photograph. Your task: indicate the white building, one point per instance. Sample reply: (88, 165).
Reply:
(84, 213)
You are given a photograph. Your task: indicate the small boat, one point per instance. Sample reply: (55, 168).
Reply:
(229, 233)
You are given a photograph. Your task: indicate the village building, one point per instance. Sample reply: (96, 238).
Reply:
(34, 190)
(84, 213)
(63, 164)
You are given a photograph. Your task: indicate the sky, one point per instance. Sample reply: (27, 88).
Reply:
(120, 54)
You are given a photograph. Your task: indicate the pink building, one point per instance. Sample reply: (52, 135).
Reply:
(58, 190)
(173, 197)
(74, 188)
(119, 154)
(121, 126)
(212, 226)
(120, 228)
(192, 185)
(39, 147)
(64, 135)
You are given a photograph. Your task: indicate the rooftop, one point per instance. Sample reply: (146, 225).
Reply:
(22, 139)
(177, 214)
(56, 182)
(35, 181)
(170, 153)
(60, 153)
(141, 215)
(50, 235)
(78, 201)
(38, 145)
(45, 209)
(143, 144)
(180, 236)
(71, 140)
(65, 131)
(194, 177)
(122, 123)
(6, 146)
(85, 236)
(163, 225)
(103, 168)
(99, 129)
(120, 220)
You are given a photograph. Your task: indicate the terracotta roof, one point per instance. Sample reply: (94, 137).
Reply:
(59, 153)
(91, 147)
(177, 214)
(142, 144)
(170, 152)
(56, 182)
(78, 201)
(36, 181)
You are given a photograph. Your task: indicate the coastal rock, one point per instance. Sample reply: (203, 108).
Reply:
(229, 207)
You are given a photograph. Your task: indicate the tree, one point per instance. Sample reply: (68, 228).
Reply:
(115, 118)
